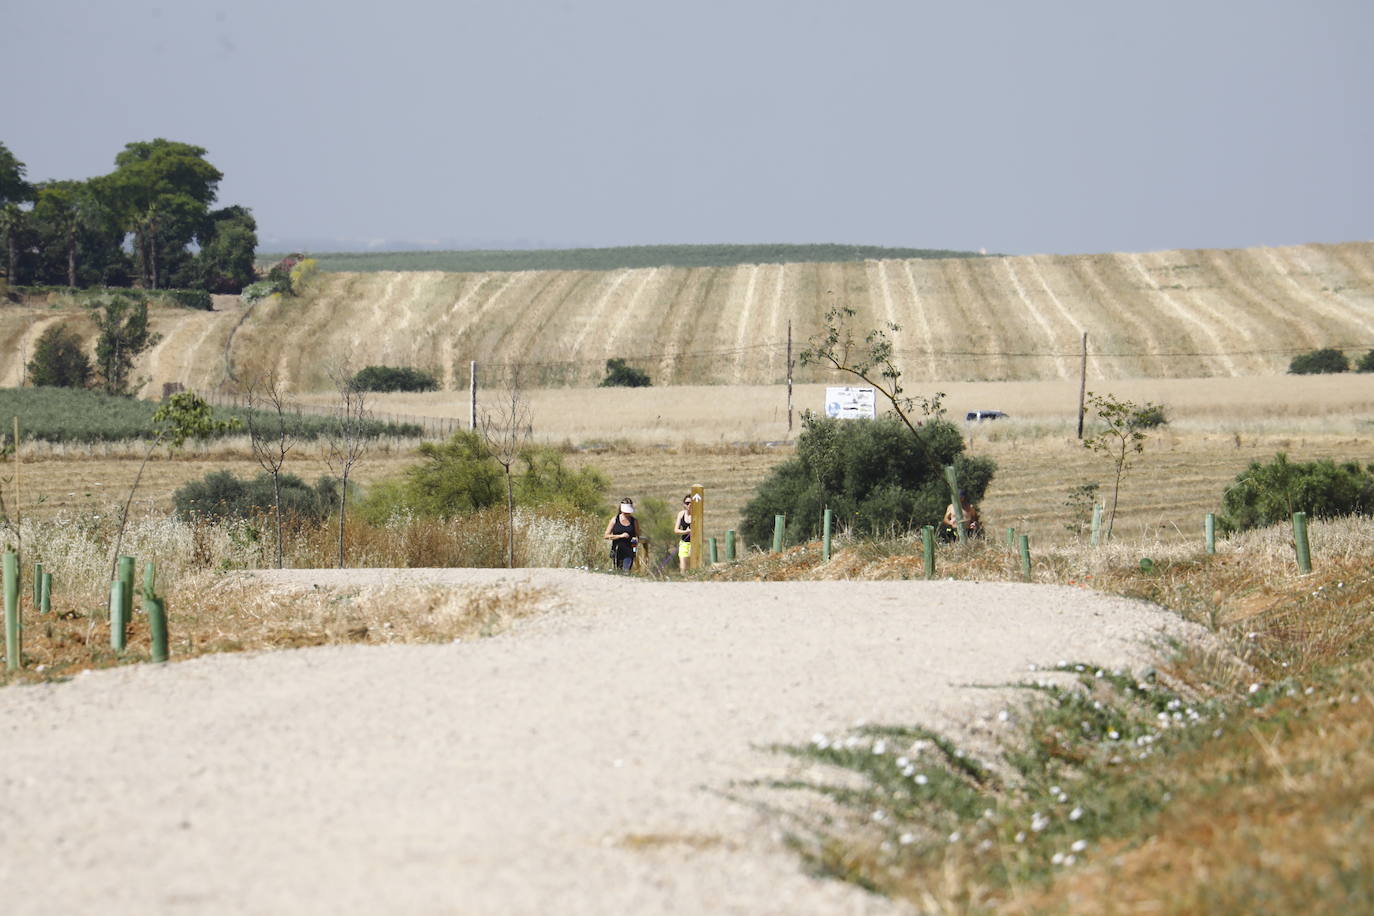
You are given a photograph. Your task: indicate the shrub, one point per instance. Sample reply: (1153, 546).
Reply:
(545, 482)
(220, 495)
(188, 298)
(1366, 363)
(873, 474)
(393, 378)
(255, 292)
(1265, 494)
(1327, 359)
(1151, 416)
(59, 361)
(621, 375)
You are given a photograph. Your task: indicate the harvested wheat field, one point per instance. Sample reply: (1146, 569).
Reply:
(594, 759)
(1195, 313)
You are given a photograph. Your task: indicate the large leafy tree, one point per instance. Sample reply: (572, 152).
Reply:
(227, 239)
(163, 190)
(14, 191)
(77, 233)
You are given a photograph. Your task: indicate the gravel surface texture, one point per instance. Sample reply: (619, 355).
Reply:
(574, 764)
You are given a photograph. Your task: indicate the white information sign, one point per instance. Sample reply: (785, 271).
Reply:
(850, 403)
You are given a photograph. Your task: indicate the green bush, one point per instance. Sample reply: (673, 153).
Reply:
(873, 474)
(621, 375)
(1265, 494)
(393, 378)
(220, 495)
(1366, 363)
(460, 476)
(1316, 362)
(187, 298)
(1150, 416)
(59, 360)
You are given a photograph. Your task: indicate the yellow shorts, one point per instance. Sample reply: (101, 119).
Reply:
(684, 548)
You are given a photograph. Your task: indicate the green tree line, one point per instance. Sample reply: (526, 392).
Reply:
(150, 222)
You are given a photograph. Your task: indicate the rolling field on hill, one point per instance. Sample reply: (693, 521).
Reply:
(1179, 314)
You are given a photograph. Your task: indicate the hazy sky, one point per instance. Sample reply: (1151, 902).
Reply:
(1012, 126)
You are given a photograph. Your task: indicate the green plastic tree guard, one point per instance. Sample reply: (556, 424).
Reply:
(1300, 542)
(1097, 524)
(1011, 538)
(37, 583)
(149, 579)
(827, 520)
(118, 622)
(13, 648)
(45, 600)
(928, 550)
(779, 521)
(126, 576)
(711, 552)
(729, 545)
(1025, 556)
(1209, 529)
(156, 609)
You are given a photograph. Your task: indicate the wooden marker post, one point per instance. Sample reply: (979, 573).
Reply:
(827, 520)
(954, 501)
(698, 540)
(13, 647)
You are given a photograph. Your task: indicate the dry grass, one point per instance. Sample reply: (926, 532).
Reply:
(1263, 805)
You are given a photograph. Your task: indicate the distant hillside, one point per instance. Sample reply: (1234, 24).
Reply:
(1164, 314)
(627, 258)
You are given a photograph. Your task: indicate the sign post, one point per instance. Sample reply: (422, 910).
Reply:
(698, 524)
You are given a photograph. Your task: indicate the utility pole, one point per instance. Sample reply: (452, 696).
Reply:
(1082, 383)
(789, 376)
(472, 390)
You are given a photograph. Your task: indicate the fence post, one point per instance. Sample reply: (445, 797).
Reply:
(928, 550)
(729, 545)
(827, 519)
(1209, 529)
(778, 522)
(1097, 523)
(45, 601)
(118, 622)
(1025, 556)
(13, 647)
(1300, 542)
(955, 502)
(156, 609)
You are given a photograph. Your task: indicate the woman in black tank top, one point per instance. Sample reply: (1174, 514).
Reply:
(623, 533)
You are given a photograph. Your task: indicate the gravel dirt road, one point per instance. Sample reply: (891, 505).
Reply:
(574, 764)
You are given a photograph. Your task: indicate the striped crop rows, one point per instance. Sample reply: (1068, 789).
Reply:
(1172, 313)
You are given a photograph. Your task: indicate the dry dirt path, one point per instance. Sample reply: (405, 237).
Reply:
(572, 765)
